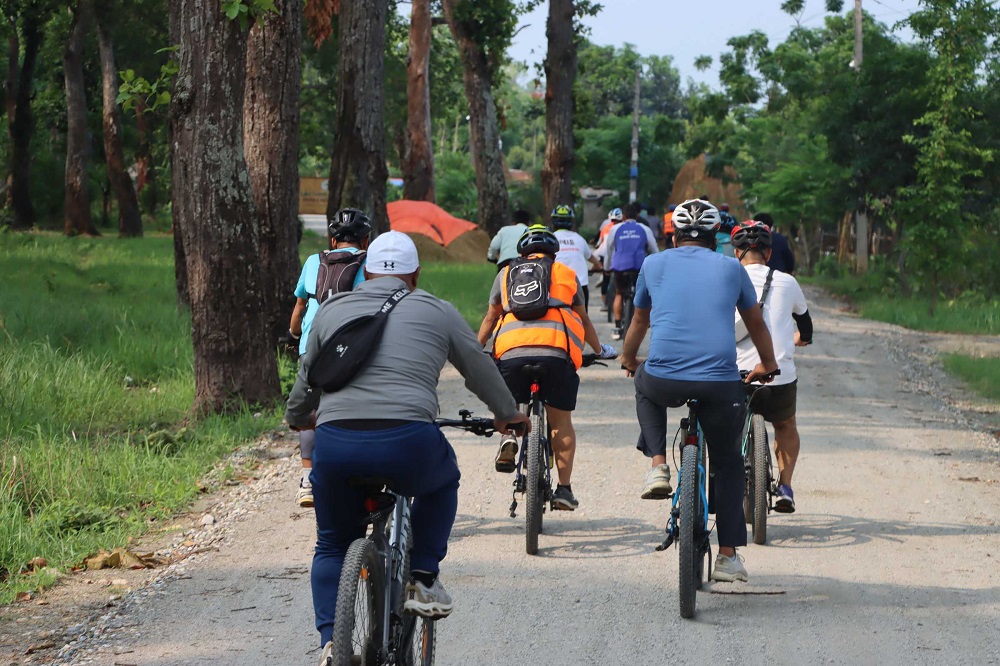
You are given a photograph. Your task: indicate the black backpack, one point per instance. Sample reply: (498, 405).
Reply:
(346, 353)
(529, 281)
(337, 272)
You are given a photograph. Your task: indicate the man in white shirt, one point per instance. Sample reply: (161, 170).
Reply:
(574, 251)
(787, 317)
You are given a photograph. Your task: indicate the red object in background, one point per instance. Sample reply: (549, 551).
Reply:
(423, 217)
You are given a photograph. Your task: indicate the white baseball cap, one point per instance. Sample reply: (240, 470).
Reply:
(392, 253)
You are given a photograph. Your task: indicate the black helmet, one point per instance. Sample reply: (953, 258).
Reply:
(562, 217)
(538, 238)
(349, 225)
(751, 235)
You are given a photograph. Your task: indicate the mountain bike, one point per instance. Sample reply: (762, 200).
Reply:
(370, 628)
(688, 524)
(533, 471)
(628, 306)
(761, 484)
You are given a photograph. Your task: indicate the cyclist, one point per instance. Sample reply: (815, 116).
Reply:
(628, 246)
(503, 247)
(555, 340)
(350, 230)
(787, 317)
(782, 258)
(726, 225)
(614, 217)
(687, 297)
(668, 227)
(382, 424)
(573, 249)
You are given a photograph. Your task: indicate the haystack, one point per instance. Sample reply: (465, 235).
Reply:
(692, 182)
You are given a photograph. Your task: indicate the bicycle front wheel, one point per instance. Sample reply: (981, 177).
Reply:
(688, 568)
(357, 630)
(533, 487)
(420, 649)
(761, 483)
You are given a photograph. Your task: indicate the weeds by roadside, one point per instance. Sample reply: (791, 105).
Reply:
(981, 374)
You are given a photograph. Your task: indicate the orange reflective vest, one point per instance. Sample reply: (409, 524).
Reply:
(668, 222)
(560, 327)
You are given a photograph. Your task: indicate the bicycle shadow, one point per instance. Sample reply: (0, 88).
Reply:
(839, 531)
(604, 538)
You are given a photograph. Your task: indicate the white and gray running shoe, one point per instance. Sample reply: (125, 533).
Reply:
(657, 484)
(432, 602)
(729, 569)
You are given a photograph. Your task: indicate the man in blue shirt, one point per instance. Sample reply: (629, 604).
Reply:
(687, 297)
(627, 247)
(350, 230)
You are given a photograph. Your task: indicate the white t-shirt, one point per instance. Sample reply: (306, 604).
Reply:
(574, 252)
(784, 299)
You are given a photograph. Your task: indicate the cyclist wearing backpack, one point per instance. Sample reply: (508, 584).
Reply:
(341, 268)
(537, 316)
(787, 316)
(628, 245)
(573, 249)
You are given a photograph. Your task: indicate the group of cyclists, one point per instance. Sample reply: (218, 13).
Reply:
(691, 299)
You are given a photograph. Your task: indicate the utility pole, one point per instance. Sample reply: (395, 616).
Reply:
(861, 214)
(633, 187)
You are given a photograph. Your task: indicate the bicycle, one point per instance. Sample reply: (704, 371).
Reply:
(691, 504)
(370, 627)
(761, 484)
(533, 470)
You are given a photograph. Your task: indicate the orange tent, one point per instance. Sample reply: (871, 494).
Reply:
(423, 217)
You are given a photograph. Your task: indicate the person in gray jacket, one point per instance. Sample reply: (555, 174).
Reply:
(382, 424)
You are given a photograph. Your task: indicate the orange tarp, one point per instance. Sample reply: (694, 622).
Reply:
(423, 217)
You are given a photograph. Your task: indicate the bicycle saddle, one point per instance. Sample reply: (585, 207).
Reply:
(673, 403)
(373, 484)
(534, 371)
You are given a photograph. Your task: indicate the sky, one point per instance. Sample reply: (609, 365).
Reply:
(689, 28)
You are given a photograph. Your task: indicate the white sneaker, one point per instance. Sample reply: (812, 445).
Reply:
(728, 569)
(657, 484)
(305, 494)
(326, 659)
(432, 602)
(616, 334)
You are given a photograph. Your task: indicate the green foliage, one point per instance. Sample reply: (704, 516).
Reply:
(490, 24)
(155, 94)
(246, 10)
(981, 374)
(455, 185)
(466, 286)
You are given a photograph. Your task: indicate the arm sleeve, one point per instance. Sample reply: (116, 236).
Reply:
(642, 297)
(748, 295)
(494, 250)
(480, 372)
(609, 249)
(805, 324)
(651, 246)
(300, 288)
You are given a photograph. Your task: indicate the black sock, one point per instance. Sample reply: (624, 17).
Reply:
(618, 323)
(567, 487)
(425, 578)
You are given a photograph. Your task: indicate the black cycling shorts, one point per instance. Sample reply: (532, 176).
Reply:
(625, 280)
(777, 404)
(558, 387)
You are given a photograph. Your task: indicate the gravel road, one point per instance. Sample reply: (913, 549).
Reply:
(892, 557)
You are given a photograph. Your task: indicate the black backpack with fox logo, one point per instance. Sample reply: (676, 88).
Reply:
(337, 271)
(529, 281)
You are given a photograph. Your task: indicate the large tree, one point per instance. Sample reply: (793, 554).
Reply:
(418, 161)
(483, 29)
(560, 71)
(129, 217)
(271, 145)
(214, 211)
(358, 171)
(77, 199)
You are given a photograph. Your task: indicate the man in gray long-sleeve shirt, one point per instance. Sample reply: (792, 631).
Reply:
(382, 424)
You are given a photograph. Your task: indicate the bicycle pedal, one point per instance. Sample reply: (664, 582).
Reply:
(513, 509)
(666, 543)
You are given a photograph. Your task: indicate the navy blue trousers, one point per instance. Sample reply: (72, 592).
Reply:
(419, 462)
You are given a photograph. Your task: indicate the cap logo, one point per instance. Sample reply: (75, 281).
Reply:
(389, 265)
(347, 216)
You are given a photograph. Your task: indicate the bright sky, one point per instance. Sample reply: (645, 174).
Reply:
(687, 29)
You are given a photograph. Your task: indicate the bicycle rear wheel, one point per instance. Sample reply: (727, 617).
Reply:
(690, 555)
(628, 309)
(759, 465)
(357, 630)
(534, 493)
(423, 637)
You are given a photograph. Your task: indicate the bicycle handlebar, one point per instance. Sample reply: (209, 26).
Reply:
(592, 359)
(745, 373)
(483, 427)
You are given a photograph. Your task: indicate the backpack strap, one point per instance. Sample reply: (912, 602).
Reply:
(767, 287)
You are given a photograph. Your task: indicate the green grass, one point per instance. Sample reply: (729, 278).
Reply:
(981, 374)
(95, 384)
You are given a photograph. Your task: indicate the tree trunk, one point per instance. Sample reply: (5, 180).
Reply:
(180, 257)
(129, 218)
(358, 172)
(145, 166)
(560, 71)
(20, 123)
(214, 212)
(77, 202)
(271, 145)
(483, 127)
(418, 162)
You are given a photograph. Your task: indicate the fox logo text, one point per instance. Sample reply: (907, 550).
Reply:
(523, 290)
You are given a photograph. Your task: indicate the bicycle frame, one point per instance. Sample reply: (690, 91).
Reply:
(692, 437)
(520, 476)
(392, 544)
(745, 446)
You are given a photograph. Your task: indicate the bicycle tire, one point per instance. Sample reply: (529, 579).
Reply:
(533, 489)
(688, 551)
(423, 641)
(759, 466)
(628, 310)
(361, 578)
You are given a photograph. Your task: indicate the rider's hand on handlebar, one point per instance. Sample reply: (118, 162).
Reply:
(799, 342)
(607, 351)
(519, 425)
(630, 365)
(762, 374)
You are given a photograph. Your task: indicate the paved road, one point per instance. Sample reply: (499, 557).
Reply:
(893, 556)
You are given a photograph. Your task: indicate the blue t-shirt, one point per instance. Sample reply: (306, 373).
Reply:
(307, 285)
(693, 293)
(629, 246)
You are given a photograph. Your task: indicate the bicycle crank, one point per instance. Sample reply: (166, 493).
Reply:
(513, 509)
